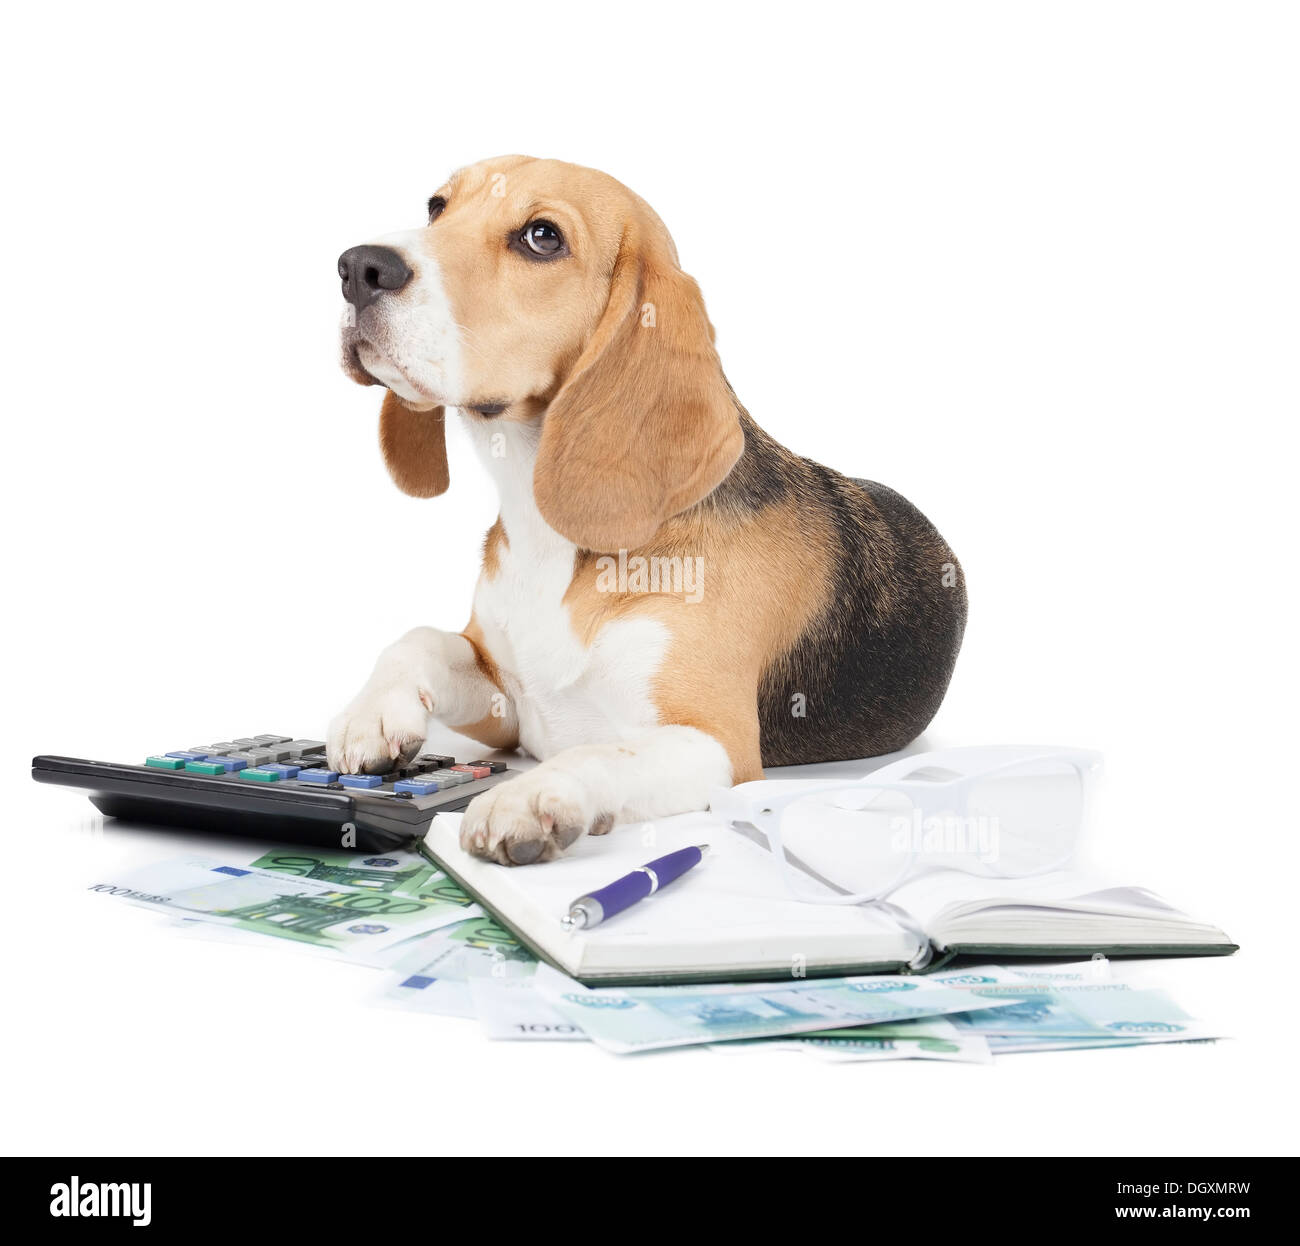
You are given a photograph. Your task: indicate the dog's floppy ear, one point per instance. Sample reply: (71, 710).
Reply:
(415, 447)
(645, 424)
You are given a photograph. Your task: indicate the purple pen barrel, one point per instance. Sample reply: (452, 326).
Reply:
(624, 892)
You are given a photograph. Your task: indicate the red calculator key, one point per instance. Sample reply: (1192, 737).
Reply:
(479, 772)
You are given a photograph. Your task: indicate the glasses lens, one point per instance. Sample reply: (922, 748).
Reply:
(1027, 818)
(858, 838)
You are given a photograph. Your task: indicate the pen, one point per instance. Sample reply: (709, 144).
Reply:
(622, 893)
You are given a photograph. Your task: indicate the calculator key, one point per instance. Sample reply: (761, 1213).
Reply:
(204, 767)
(245, 741)
(165, 763)
(422, 786)
(361, 780)
(260, 776)
(219, 749)
(267, 740)
(452, 778)
(226, 763)
(478, 771)
(436, 760)
(285, 772)
(256, 757)
(187, 755)
(496, 767)
(317, 776)
(296, 748)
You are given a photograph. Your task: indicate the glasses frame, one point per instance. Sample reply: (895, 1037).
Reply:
(973, 765)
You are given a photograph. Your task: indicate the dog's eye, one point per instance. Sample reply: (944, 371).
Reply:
(541, 240)
(436, 205)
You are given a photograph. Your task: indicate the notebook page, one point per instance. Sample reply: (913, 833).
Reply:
(927, 894)
(733, 909)
(1048, 907)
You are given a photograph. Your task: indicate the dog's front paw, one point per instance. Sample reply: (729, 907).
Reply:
(380, 730)
(530, 819)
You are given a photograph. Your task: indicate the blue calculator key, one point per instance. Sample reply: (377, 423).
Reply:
(318, 776)
(285, 772)
(187, 755)
(417, 787)
(360, 780)
(228, 763)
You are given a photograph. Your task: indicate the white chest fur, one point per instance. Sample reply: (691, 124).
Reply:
(565, 691)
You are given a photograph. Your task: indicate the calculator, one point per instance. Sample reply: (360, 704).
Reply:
(278, 788)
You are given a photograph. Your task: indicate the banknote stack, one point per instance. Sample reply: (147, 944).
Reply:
(442, 954)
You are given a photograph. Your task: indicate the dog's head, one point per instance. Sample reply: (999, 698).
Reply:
(544, 291)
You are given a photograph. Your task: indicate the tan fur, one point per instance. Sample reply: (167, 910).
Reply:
(490, 730)
(644, 426)
(414, 444)
(612, 343)
(496, 538)
(764, 578)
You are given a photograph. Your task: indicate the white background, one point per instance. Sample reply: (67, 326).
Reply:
(1034, 265)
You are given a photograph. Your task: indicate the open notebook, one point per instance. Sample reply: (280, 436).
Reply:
(732, 918)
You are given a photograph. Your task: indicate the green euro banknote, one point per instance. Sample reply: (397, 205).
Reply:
(435, 974)
(474, 948)
(645, 1018)
(350, 920)
(405, 872)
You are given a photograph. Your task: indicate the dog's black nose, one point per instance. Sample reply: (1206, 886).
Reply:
(368, 272)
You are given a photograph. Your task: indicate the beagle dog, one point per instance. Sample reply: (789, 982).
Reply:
(669, 599)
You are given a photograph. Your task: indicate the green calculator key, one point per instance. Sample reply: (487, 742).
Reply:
(165, 763)
(205, 767)
(260, 776)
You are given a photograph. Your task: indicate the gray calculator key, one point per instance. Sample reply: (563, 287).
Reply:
(221, 749)
(267, 740)
(296, 748)
(452, 777)
(246, 741)
(256, 757)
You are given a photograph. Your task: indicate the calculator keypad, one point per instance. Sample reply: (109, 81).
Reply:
(281, 760)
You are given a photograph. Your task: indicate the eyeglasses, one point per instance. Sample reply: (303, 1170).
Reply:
(997, 812)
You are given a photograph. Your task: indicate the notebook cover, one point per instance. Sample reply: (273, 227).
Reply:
(941, 957)
(1074, 951)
